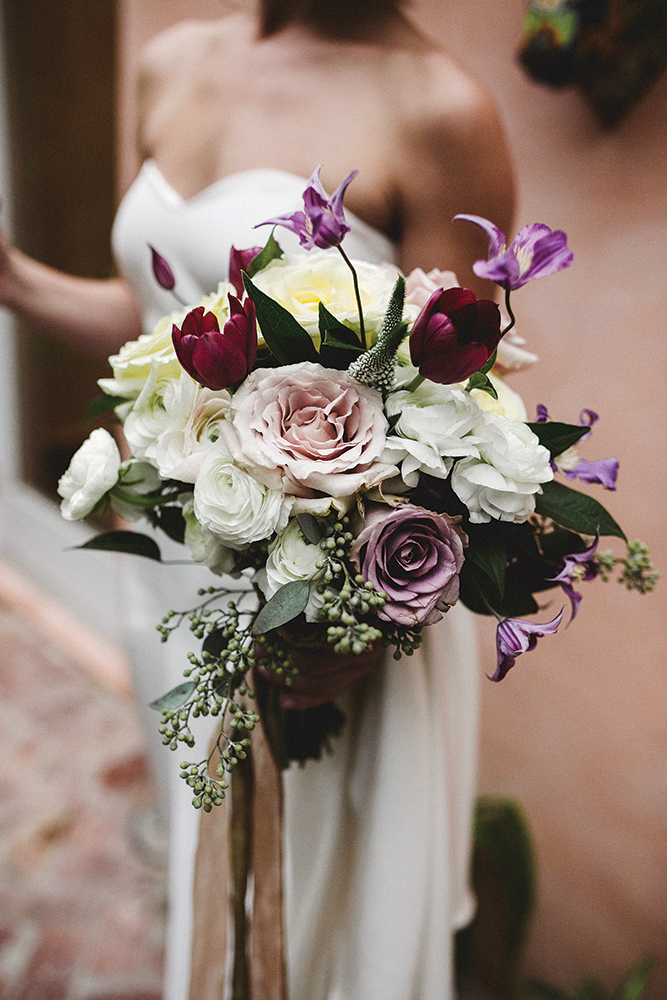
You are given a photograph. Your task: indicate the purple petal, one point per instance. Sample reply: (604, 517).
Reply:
(161, 270)
(515, 636)
(542, 414)
(497, 239)
(604, 471)
(548, 251)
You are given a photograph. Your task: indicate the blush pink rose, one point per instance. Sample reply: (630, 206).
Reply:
(415, 556)
(315, 428)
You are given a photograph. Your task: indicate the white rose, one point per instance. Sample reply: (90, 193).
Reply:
(235, 506)
(292, 557)
(503, 481)
(299, 283)
(434, 426)
(136, 359)
(92, 472)
(182, 445)
(204, 546)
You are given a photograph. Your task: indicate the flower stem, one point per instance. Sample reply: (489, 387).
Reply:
(362, 331)
(511, 314)
(141, 500)
(416, 382)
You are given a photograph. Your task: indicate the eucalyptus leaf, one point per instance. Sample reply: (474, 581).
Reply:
(132, 542)
(312, 529)
(575, 510)
(285, 338)
(557, 437)
(173, 699)
(286, 604)
(272, 251)
(103, 404)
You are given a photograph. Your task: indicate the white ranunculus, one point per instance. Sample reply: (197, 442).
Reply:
(292, 557)
(235, 506)
(94, 469)
(300, 282)
(503, 481)
(136, 477)
(182, 445)
(163, 404)
(204, 546)
(435, 425)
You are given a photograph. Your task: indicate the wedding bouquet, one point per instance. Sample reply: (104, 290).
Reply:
(341, 438)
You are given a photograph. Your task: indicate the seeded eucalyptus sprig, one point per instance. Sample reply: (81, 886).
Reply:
(636, 568)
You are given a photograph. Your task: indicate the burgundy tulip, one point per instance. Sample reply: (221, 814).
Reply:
(238, 262)
(213, 358)
(454, 335)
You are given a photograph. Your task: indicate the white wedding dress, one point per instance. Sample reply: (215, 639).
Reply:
(377, 836)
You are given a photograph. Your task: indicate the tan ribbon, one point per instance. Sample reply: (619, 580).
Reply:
(219, 886)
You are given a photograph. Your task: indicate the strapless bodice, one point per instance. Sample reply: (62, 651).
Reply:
(195, 234)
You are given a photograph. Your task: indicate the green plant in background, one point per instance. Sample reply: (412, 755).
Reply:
(632, 988)
(489, 951)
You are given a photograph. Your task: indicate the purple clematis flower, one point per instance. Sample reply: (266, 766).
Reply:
(162, 270)
(454, 335)
(238, 262)
(515, 636)
(603, 471)
(322, 223)
(214, 358)
(577, 567)
(535, 252)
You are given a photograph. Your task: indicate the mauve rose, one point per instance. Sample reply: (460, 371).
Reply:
(415, 556)
(305, 426)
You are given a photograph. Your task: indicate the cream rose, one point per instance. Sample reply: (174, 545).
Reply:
(94, 469)
(508, 404)
(182, 445)
(308, 427)
(204, 546)
(299, 283)
(235, 506)
(133, 364)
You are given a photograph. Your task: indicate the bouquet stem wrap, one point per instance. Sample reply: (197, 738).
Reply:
(251, 839)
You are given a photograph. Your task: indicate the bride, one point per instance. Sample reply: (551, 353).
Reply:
(234, 116)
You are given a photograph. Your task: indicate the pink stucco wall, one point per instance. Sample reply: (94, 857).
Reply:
(578, 731)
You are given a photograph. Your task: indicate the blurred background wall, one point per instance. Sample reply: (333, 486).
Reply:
(578, 731)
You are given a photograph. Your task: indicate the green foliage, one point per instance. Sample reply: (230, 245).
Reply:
(132, 542)
(576, 511)
(271, 251)
(103, 404)
(285, 338)
(557, 437)
(633, 986)
(285, 605)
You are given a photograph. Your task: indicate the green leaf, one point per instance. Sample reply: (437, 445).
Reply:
(132, 542)
(492, 559)
(103, 404)
(285, 338)
(285, 605)
(534, 990)
(312, 529)
(557, 437)
(634, 986)
(575, 510)
(334, 332)
(272, 251)
(481, 381)
(173, 699)
(489, 364)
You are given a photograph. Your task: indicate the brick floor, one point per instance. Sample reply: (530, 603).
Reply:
(82, 880)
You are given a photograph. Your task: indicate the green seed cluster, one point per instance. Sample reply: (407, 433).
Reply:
(637, 568)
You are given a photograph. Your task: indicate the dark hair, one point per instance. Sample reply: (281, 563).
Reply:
(335, 18)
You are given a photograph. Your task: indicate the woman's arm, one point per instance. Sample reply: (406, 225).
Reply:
(453, 159)
(91, 315)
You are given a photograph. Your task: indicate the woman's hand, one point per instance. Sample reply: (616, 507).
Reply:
(323, 675)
